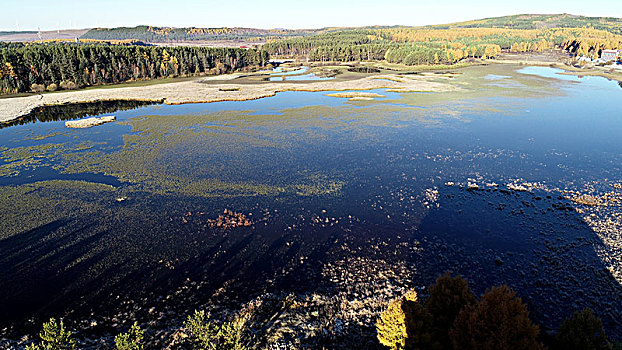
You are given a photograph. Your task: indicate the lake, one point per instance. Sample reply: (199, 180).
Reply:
(514, 179)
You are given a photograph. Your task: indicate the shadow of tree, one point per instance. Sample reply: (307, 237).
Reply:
(539, 246)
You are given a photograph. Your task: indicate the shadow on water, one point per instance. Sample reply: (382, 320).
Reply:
(76, 111)
(537, 245)
(40, 266)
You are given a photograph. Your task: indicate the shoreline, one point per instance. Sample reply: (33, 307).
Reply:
(203, 90)
(224, 88)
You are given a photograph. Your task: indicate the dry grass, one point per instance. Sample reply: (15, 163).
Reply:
(355, 94)
(203, 91)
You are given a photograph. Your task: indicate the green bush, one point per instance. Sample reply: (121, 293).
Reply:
(132, 340)
(54, 337)
(582, 331)
(206, 335)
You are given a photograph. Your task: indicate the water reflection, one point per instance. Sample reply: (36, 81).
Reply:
(75, 111)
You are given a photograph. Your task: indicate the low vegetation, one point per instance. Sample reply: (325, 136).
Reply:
(208, 335)
(451, 317)
(132, 340)
(54, 337)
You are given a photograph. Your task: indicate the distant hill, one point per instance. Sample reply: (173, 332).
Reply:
(164, 34)
(25, 36)
(541, 21)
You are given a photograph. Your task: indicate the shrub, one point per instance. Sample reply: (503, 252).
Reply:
(499, 321)
(132, 340)
(37, 87)
(68, 85)
(207, 335)
(582, 331)
(447, 298)
(54, 337)
(52, 87)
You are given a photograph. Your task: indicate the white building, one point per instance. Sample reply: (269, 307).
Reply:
(610, 55)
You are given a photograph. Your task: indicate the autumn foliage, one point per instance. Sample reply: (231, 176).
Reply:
(499, 321)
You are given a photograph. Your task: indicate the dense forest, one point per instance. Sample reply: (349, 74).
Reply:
(38, 67)
(409, 46)
(431, 45)
(160, 34)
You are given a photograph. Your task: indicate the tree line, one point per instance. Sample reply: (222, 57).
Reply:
(366, 45)
(36, 67)
(429, 45)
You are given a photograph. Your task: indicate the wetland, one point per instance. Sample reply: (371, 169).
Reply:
(333, 199)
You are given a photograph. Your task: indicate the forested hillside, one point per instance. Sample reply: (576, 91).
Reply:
(449, 44)
(160, 34)
(533, 21)
(68, 66)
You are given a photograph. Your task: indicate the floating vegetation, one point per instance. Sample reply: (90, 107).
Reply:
(29, 158)
(36, 204)
(337, 191)
(40, 137)
(364, 70)
(230, 219)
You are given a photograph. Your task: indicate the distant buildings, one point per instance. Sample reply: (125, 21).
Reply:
(610, 55)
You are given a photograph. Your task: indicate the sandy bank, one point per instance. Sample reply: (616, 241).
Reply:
(207, 90)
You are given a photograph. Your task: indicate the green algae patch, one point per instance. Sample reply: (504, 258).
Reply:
(40, 203)
(13, 161)
(221, 154)
(242, 153)
(43, 137)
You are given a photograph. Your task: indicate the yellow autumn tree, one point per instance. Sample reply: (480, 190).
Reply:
(405, 324)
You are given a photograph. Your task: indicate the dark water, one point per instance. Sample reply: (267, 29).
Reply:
(318, 173)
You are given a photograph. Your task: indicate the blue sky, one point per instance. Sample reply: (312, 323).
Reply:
(49, 15)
